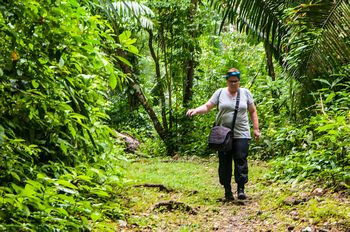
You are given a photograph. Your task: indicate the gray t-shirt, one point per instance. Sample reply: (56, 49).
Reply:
(227, 107)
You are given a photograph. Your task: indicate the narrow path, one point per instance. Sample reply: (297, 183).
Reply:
(286, 208)
(246, 216)
(269, 207)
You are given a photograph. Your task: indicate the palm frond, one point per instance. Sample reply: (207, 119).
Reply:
(307, 38)
(322, 43)
(122, 12)
(131, 8)
(261, 17)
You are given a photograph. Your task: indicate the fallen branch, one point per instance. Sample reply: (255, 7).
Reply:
(174, 205)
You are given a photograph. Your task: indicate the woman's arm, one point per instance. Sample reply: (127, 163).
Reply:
(254, 117)
(205, 108)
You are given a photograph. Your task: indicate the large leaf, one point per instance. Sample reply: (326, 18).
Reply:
(322, 44)
(263, 18)
(307, 38)
(124, 12)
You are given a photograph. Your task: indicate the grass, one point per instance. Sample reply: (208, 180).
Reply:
(193, 181)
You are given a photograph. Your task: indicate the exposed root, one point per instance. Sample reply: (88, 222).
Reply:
(174, 205)
(160, 186)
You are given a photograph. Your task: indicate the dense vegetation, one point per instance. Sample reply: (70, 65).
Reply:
(57, 156)
(73, 72)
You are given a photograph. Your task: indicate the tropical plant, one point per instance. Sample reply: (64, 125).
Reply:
(55, 145)
(173, 49)
(320, 149)
(308, 38)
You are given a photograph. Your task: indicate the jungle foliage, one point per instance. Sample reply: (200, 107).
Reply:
(72, 72)
(310, 40)
(57, 157)
(162, 81)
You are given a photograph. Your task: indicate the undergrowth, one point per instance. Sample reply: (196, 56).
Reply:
(317, 148)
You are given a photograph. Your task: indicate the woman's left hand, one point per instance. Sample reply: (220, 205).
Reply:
(257, 134)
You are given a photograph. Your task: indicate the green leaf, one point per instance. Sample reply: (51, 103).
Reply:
(35, 84)
(17, 188)
(326, 127)
(2, 135)
(66, 198)
(84, 220)
(99, 192)
(61, 63)
(95, 216)
(133, 49)
(77, 116)
(42, 176)
(62, 211)
(66, 184)
(72, 131)
(112, 81)
(123, 37)
(15, 175)
(63, 145)
(330, 97)
(28, 190)
(130, 41)
(83, 177)
(35, 184)
(124, 60)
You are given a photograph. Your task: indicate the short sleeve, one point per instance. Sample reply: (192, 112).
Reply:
(250, 99)
(215, 97)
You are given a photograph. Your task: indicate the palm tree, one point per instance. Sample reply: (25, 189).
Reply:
(307, 38)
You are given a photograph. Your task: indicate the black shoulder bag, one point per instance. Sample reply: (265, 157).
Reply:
(220, 137)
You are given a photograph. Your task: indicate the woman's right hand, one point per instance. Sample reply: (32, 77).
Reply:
(200, 109)
(191, 112)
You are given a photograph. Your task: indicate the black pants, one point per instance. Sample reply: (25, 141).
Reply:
(239, 154)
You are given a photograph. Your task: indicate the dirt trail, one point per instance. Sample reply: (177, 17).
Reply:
(247, 216)
(299, 207)
(244, 216)
(243, 219)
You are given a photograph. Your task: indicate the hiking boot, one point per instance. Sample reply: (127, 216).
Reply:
(240, 193)
(228, 194)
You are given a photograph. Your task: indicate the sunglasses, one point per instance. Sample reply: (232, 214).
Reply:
(234, 81)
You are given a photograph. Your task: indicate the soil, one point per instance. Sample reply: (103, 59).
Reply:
(268, 208)
(235, 216)
(249, 218)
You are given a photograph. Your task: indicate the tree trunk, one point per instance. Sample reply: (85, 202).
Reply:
(141, 97)
(188, 82)
(158, 78)
(271, 73)
(163, 133)
(191, 63)
(269, 61)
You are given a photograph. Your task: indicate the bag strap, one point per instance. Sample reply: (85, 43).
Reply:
(217, 106)
(236, 110)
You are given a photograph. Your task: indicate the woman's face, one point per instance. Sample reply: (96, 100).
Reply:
(233, 83)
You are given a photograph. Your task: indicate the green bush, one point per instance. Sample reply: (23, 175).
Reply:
(59, 165)
(320, 149)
